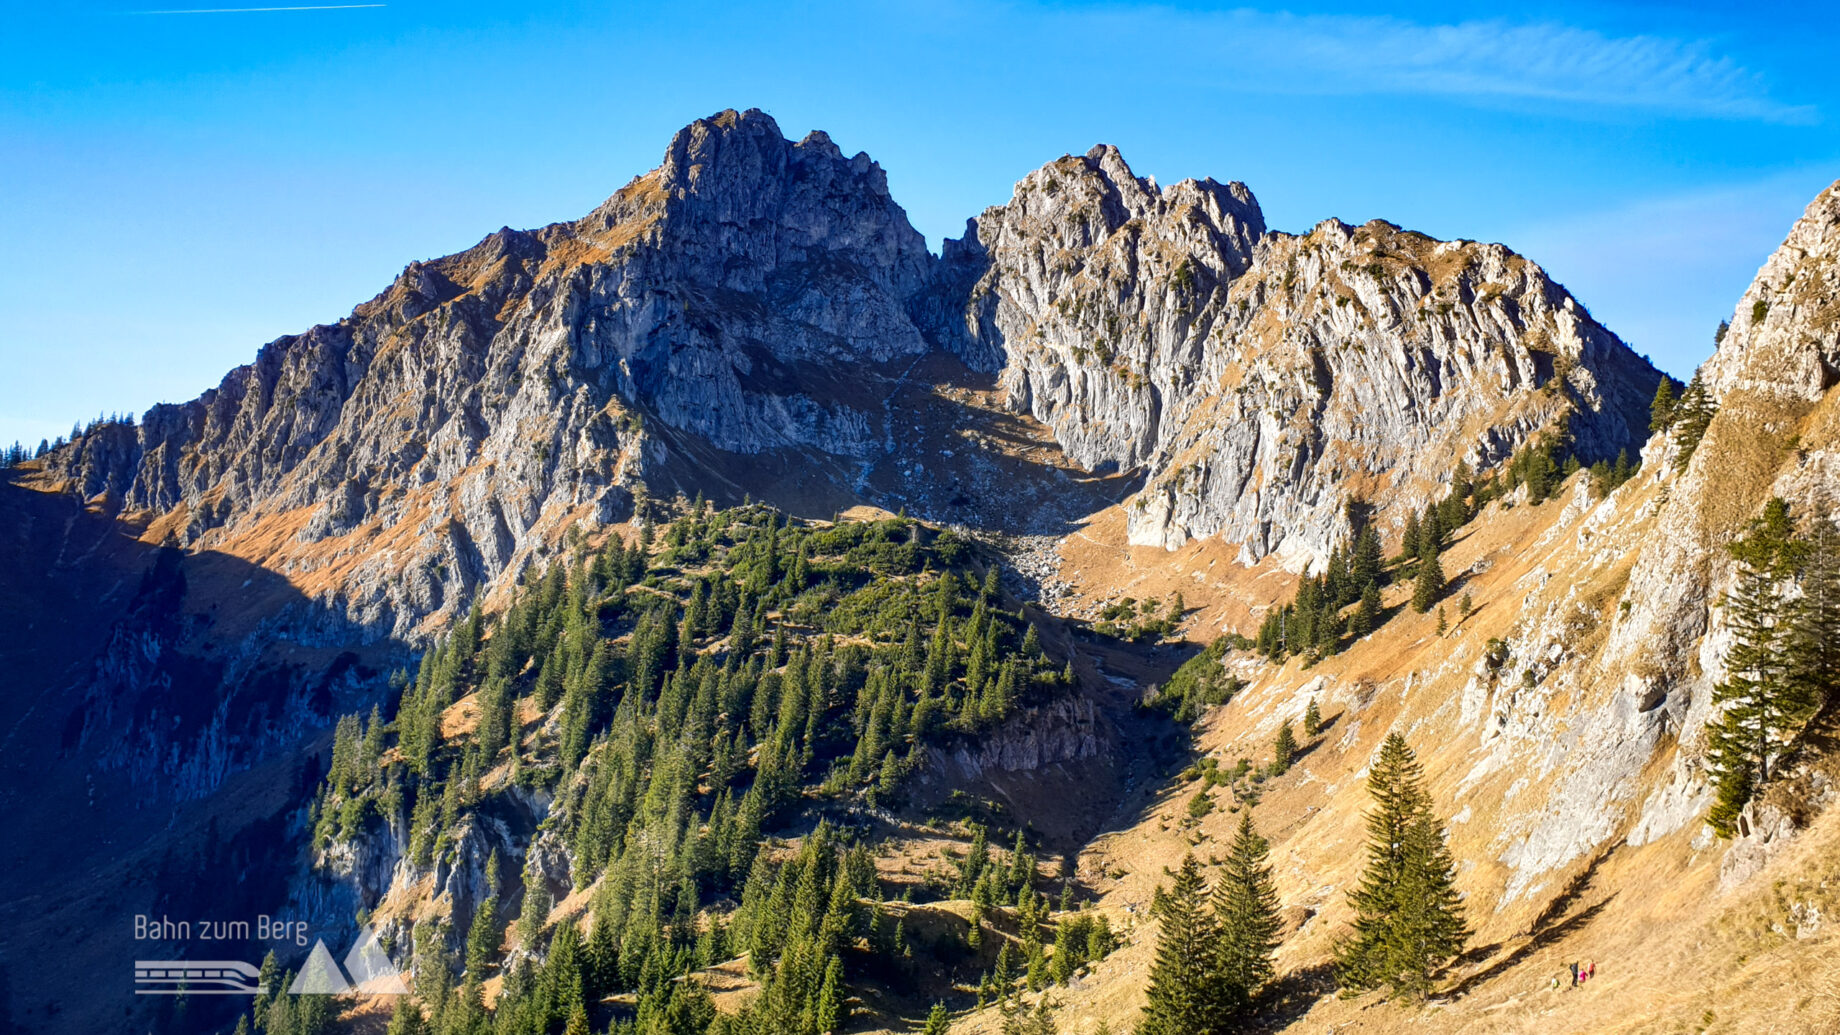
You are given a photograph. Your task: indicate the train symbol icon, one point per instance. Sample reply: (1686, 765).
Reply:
(367, 970)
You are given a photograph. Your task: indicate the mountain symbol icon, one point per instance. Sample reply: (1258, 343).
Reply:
(369, 967)
(320, 976)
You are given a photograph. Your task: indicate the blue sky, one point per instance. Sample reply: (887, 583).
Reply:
(180, 188)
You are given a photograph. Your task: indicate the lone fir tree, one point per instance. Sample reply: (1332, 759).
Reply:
(1408, 917)
(1246, 912)
(1182, 993)
(1283, 750)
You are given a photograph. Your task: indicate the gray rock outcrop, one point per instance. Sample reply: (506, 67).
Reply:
(758, 298)
(1261, 379)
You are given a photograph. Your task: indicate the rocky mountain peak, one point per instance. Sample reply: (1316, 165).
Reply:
(1260, 380)
(733, 183)
(1784, 337)
(753, 296)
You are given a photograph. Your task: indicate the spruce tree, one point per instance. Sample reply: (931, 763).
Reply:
(1366, 616)
(830, 1010)
(1367, 564)
(1018, 1019)
(1692, 416)
(1312, 719)
(535, 914)
(1760, 702)
(1183, 998)
(1814, 642)
(1408, 540)
(1283, 750)
(1245, 906)
(1429, 585)
(937, 1020)
(1661, 410)
(407, 1018)
(482, 937)
(1408, 920)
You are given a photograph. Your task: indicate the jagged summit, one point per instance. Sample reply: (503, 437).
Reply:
(758, 297)
(1260, 379)
(1780, 339)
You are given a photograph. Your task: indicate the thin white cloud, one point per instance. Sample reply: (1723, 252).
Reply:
(1486, 61)
(264, 10)
(1663, 271)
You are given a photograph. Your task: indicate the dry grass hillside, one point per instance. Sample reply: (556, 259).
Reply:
(1632, 885)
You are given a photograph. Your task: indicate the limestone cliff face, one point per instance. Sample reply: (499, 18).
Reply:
(1770, 438)
(446, 432)
(1262, 379)
(1784, 337)
(758, 298)
(1645, 693)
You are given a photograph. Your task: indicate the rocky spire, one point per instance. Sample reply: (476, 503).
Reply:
(1260, 380)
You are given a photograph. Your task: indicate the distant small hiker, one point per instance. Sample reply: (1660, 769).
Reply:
(1574, 974)
(1591, 971)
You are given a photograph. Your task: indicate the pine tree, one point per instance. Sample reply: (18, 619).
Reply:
(1245, 907)
(1367, 565)
(1312, 719)
(1409, 539)
(1429, 585)
(1182, 997)
(1814, 641)
(535, 914)
(407, 1018)
(937, 1020)
(1408, 919)
(1692, 416)
(1367, 613)
(1661, 410)
(1760, 703)
(1283, 750)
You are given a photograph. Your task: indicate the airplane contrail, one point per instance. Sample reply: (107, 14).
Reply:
(261, 10)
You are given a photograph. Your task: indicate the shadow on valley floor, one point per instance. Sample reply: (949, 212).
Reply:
(953, 456)
(165, 710)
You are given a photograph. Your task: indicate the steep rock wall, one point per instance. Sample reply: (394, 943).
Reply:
(1263, 379)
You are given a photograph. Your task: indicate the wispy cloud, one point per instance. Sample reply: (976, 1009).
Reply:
(264, 10)
(1488, 61)
(1662, 271)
